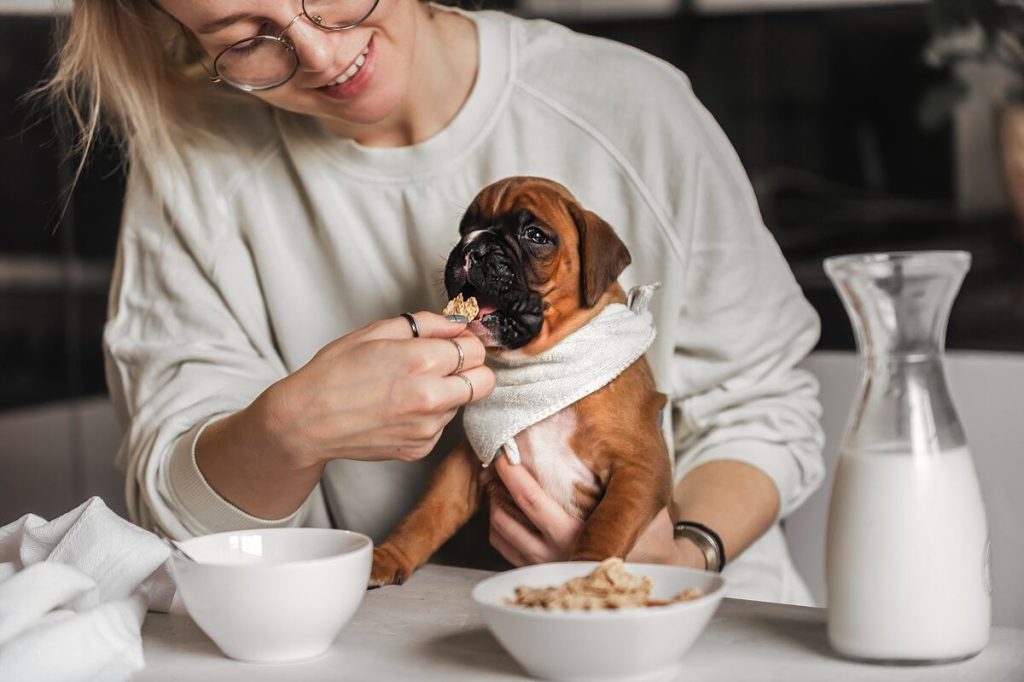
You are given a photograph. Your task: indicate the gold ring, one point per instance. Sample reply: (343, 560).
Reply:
(468, 383)
(462, 356)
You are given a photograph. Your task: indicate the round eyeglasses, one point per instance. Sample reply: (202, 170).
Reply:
(265, 61)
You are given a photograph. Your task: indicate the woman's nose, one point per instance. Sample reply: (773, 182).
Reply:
(315, 47)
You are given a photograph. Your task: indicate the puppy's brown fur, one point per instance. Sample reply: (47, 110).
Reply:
(615, 430)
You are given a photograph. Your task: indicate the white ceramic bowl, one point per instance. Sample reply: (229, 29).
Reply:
(630, 644)
(275, 595)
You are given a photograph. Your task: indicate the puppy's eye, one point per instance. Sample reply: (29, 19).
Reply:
(536, 236)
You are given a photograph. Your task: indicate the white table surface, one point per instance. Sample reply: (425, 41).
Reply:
(429, 629)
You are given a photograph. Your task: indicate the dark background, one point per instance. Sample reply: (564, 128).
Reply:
(821, 106)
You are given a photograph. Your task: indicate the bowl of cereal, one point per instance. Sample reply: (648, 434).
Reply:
(581, 620)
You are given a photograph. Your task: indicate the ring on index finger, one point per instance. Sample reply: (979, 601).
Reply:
(412, 324)
(462, 356)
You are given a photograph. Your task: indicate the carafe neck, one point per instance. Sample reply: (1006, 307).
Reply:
(899, 303)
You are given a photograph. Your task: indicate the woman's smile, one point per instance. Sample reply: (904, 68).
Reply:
(355, 79)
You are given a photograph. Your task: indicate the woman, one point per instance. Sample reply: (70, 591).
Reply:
(313, 184)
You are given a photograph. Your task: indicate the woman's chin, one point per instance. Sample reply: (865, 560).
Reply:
(351, 118)
(347, 117)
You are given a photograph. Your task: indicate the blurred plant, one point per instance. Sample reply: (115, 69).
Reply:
(972, 33)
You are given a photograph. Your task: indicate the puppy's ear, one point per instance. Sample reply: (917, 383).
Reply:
(603, 256)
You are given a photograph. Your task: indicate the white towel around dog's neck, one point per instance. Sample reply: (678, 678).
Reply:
(531, 389)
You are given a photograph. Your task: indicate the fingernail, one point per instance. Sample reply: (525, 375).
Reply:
(461, 319)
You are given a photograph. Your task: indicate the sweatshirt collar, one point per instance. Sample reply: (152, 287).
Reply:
(303, 136)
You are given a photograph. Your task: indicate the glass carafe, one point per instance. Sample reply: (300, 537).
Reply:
(907, 546)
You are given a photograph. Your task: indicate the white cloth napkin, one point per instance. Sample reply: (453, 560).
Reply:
(531, 389)
(74, 592)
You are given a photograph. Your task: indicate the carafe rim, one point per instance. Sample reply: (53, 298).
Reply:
(958, 259)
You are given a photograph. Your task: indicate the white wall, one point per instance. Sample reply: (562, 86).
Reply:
(735, 6)
(52, 457)
(34, 7)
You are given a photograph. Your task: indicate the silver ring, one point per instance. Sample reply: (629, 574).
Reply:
(412, 324)
(468, 383)
(462, 356)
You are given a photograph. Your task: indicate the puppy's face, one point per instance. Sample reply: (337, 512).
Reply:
(534, 259)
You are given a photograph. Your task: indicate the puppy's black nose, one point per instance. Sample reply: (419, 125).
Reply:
(475, 252)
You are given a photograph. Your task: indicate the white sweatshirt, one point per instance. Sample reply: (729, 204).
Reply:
(284, 237)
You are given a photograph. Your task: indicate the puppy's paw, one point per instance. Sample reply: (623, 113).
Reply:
(389, 567)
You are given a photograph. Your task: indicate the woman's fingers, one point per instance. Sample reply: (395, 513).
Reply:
(440, 357)
(469, 386)
(435, 395)
(523, 541)
(378, 393)
(557, 525)
(429, 325)
(435, 352)
(505, 548)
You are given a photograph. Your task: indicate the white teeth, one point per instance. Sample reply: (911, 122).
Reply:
(353, 69)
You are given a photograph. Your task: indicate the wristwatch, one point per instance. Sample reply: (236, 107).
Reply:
(706, 540)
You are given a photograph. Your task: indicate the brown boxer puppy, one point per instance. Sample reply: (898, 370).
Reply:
(542, 267)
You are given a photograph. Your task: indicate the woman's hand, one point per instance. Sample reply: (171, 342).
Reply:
(377, 393)
(554, 530)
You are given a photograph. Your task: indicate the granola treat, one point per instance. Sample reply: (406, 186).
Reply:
(609, 586)
(458, 306)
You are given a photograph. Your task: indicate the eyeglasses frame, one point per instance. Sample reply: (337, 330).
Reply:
(216, 77)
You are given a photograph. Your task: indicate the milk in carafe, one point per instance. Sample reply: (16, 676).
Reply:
(908, 558)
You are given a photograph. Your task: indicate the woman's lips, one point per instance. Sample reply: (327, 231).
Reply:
(357, 83)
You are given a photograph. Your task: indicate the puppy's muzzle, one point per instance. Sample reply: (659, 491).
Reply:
(485, 268)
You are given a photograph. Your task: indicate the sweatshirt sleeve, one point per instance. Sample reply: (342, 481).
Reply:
(743, 326)
(182, 350)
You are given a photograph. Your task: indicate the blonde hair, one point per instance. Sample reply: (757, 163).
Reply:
(128, 68)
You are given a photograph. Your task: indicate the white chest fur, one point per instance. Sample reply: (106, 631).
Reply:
(545, 451)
